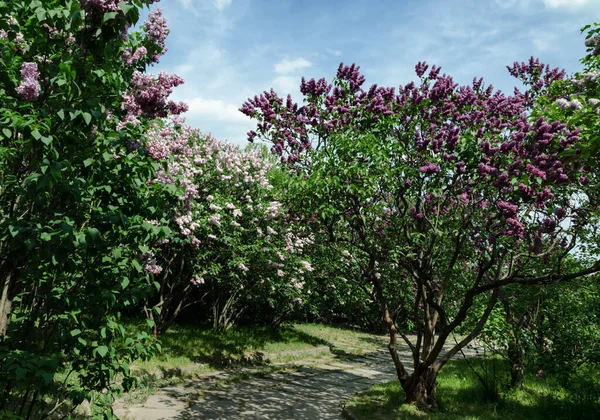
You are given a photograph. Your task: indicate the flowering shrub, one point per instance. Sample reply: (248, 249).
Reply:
(74, 196)
(445, 191)
(231, 244)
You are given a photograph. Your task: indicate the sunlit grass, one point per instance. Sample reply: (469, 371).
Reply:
(198, 349)
(462, 396)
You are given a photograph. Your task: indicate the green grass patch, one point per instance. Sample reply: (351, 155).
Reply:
(461, 395)
(197, 349)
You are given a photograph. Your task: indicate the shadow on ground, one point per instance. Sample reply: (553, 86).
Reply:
(308, 393)
(232, 347)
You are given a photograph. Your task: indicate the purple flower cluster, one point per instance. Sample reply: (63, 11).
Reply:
(100, 7)
(148, 97)
(430, 168)
(131, 58)
(30, 87)
(536, 74)
(156, 32)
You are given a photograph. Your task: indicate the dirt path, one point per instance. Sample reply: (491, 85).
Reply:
(316, 390)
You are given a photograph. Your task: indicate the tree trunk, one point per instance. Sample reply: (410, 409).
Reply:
(515, 355)
(5, 306)
(515, 349)
(421, 388)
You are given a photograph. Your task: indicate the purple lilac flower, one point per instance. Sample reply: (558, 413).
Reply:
(429, 168)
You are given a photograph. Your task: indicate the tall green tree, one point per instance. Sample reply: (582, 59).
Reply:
(74, 195)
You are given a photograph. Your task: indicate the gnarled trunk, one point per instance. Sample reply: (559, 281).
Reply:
(421, 388)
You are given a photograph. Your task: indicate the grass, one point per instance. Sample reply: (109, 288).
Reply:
(462, 396)
(201, 349)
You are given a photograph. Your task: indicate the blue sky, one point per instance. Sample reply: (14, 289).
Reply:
(229, 50)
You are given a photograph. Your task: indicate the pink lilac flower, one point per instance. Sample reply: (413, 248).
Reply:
(130, 58)
(152, 267)
(197, 280)
(29, 88)
(306, 266)
(156, 32)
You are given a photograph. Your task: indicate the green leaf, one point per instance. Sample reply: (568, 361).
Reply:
(20, 372)
(102, 350)
(93, 232)
(88, 162)
(87, 117)
(36, 134)
(125, 7)
(61, 114)
(108, 16)
(125, 282)
(14, 230)
(75, 332)
(7, 132)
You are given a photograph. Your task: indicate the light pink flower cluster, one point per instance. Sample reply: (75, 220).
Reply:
(131, 58)
(156, 32)
(30, 87)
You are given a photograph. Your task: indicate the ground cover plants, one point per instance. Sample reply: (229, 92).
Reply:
(462, 396)
(432, 209)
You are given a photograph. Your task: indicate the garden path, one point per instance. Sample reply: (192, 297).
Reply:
(312, 389)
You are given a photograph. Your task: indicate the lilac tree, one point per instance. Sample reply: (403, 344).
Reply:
(74, 197)
(231, 244)
(446, 192)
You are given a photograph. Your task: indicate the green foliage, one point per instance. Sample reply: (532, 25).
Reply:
(73, 205)
(463, 397)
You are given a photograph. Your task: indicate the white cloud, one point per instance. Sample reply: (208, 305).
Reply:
(220, 4)
(571, 4)
(543, 41)
(336, 53)
(287, 66)
(285, 85)
(215, 109)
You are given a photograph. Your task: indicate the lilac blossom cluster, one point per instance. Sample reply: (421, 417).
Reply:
(29, 88)
(100, 7)
(593, 44)
(223, 192)
(156, 32)
(148, 97)
(510, 160)
(130, 58)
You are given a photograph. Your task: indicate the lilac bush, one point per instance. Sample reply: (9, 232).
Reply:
(444, 193)
(231, 246)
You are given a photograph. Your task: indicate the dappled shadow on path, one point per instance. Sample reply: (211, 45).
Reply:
(308, 393)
